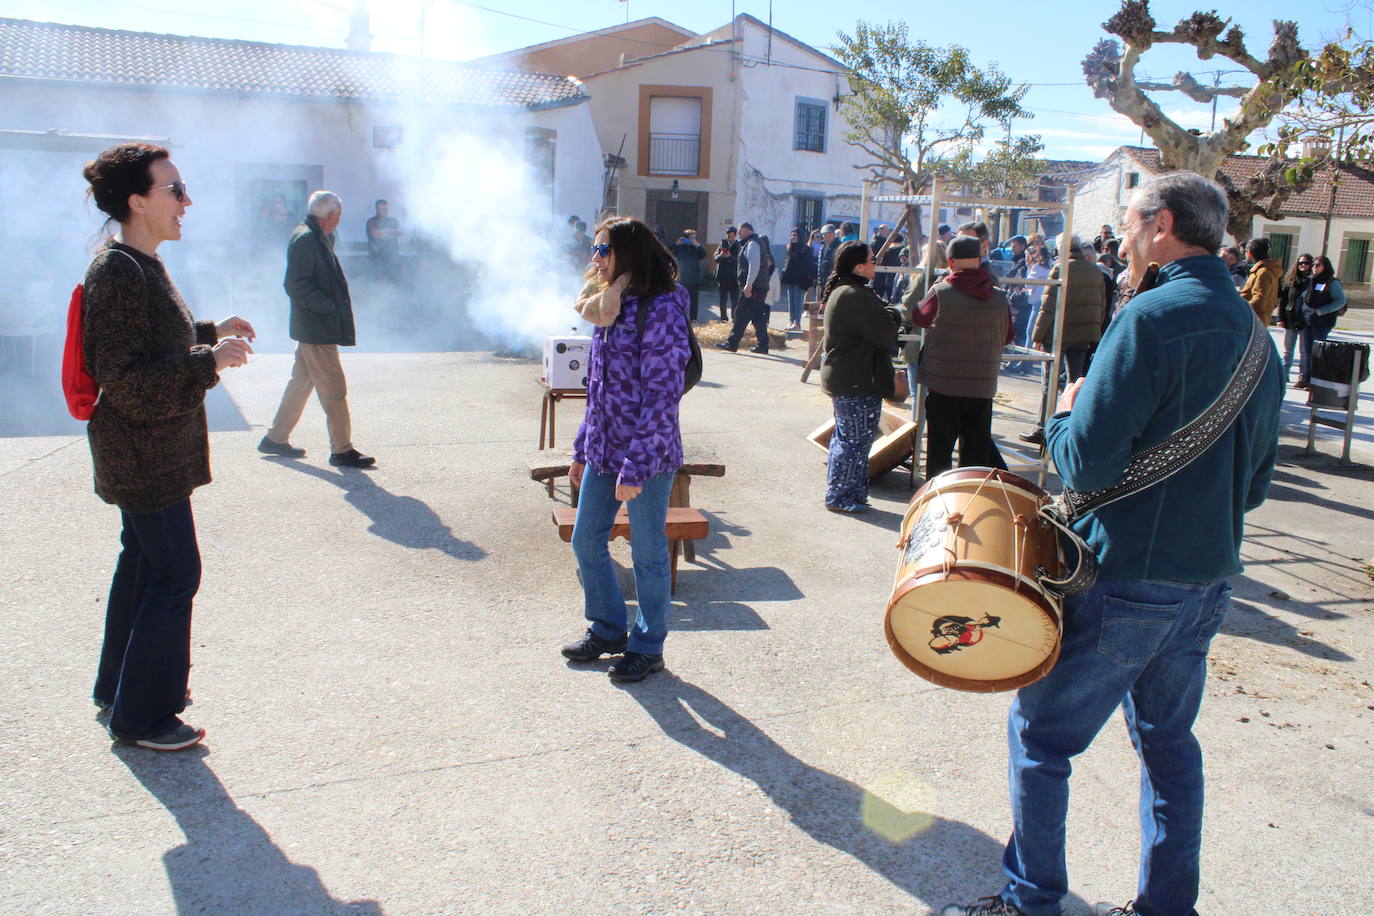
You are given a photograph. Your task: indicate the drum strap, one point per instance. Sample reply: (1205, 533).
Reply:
(1161, 461)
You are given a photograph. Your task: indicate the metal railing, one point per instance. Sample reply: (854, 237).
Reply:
(675, 154)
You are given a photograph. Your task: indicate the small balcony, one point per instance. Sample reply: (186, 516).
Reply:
(674, 154)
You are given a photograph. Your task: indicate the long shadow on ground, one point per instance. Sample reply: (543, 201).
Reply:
(934, 859)
(229, 863)
(403, 520)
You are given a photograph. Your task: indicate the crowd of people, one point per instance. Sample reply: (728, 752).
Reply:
(1136, 638)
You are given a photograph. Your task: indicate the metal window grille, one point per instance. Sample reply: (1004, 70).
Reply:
(810, 134)
(674, 154)
(808, 214)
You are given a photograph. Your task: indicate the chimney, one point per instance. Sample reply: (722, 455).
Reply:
(359, 28)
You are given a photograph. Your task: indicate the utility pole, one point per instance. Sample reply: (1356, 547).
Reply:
(1335, 176)
(1216, 84)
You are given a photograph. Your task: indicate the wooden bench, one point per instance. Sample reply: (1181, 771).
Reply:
(683, 525)
(546, 466)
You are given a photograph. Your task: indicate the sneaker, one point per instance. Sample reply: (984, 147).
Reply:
(1033, 436)
(635, 666)
(350, 459)
(986, 906)
(591, 647)
(178, 739)
(856, 509)
(725, 346)
(1111, 909)
(282, 449)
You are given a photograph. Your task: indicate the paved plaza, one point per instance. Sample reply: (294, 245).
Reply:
(392, 729)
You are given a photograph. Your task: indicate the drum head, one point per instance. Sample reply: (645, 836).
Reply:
(961, 630)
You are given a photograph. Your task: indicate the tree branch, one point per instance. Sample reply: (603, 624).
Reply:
(1185, 83)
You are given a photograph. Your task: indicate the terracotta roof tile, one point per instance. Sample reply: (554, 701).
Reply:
(1354, 189)
(49, 51)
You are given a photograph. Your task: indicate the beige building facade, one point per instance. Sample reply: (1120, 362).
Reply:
(741, 123)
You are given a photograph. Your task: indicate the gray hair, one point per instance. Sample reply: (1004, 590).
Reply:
(1072, 246)
(323, 203)
(1198, 205)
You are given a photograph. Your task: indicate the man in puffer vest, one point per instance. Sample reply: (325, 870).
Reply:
(968, 322)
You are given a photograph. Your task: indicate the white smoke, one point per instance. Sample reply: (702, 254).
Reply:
(478, 196)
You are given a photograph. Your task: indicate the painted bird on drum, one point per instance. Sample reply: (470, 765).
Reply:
(951, 633)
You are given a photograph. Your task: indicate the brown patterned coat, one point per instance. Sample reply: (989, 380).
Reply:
(153, 363)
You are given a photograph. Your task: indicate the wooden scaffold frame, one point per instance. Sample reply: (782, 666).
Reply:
(1017, 460)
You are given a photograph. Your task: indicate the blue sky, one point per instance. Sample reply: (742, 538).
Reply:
(1039, 43)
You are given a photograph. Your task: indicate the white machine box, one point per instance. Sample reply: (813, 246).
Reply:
(566, 360)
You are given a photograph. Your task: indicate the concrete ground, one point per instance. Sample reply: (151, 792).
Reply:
(392, 730)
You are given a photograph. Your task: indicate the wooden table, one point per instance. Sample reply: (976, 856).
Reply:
(548, 409)
(697, 462)
(682, 526)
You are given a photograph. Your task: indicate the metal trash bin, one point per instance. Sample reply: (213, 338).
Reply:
(1333, 367)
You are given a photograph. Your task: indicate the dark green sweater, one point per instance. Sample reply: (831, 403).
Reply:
(1165, 357)
(859, 334)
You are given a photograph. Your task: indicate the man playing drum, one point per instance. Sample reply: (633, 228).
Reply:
(1139, 637)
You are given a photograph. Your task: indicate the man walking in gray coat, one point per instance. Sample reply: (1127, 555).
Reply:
(321, 322)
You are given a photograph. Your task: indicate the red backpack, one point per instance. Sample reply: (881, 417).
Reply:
(77, 383)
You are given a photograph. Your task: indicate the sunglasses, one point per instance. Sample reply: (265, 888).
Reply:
(1304, 263)
(601, 251)
(177, 188)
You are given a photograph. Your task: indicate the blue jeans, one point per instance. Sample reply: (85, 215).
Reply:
(796, 301)
(605, 602)
(146, 656)
(1141, 646)
(1306, 337)
(1290, 343)
(856, 423)
(1031, 318)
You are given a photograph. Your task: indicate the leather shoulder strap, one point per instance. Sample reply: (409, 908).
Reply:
(1161, 461)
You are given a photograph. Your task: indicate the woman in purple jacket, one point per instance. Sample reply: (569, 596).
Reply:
(629, 446)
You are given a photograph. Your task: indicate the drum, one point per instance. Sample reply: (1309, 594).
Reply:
(968, 607)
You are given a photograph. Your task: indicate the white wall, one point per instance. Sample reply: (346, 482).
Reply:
(770, 171)
(578, 169)
(212, 136)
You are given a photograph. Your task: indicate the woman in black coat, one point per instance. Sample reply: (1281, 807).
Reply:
(860, 332)
(1291, 296)
(798, 271)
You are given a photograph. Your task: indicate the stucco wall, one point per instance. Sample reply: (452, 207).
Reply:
(771, 173)
(615, 110)
(216, 138)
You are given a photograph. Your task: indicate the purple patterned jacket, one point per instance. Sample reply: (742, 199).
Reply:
(631, 428)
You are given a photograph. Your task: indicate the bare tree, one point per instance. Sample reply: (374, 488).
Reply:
(913, 107)
(1110, 71)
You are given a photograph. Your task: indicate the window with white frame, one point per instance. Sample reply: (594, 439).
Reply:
(1355, 258)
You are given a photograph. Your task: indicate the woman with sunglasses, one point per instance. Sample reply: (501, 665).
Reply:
(629, 446)
(1325, 297)
(149, 442)
(1291, 295)
(857, 373)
